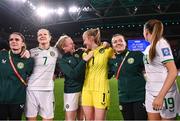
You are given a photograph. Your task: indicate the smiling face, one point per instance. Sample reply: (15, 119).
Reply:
(118, 43)
(16, 42)
(43, 37)
(68, 45)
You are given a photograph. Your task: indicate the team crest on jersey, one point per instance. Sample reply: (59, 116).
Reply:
(130, 60)
(52, 53)
(102, 50)
(76, 55)
(20, 65)
(165, 51)
(3, 61)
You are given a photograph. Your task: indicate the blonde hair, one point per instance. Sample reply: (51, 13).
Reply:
(155, 27)
(95, 33)
(45, 30)
(60, 43)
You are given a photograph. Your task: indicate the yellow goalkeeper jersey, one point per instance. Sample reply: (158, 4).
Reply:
(96, 77)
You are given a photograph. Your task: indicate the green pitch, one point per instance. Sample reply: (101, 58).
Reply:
(113, 112)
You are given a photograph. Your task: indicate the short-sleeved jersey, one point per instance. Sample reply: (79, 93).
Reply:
(156, 71)
(45, 62)
(96, 77)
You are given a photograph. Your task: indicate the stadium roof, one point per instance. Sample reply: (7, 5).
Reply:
(21, 15)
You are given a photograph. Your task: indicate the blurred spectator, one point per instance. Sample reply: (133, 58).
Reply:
(3, 44)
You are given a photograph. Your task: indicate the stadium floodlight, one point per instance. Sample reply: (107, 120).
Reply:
(23, 1)
(73, 9)
(32, 6)
(42, 11)
(60, 11)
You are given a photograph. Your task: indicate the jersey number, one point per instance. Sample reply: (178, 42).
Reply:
(45, 60)
(169, 104)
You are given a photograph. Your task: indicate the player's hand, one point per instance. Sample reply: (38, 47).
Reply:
(81, 48)
(25, 54)
(158, 103)
(88, 56)
(106, 44)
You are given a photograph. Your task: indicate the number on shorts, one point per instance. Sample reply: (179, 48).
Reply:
(169, 103)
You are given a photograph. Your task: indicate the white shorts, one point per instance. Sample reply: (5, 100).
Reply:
(39, 102)
(169, 104)
(71, 101)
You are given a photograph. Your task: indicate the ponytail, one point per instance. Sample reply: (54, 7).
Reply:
(95, 33)
(155, 27)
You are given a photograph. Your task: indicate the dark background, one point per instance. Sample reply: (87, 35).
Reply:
(111, 16)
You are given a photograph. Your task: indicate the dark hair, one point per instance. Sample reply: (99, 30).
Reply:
(22, 37)
(155, 27)
(20, 34)
(115, 35)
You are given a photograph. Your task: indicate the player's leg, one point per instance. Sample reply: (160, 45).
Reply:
(139, 110)
(4, 111)
(101, 103)
(71, 105)
(87, 104)
(46, 106)
(169, 110)
(127, 111)
(31, 105)
(80, 113)
(100, 114)
(15, 111)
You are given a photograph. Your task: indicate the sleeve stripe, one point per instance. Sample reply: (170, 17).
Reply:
(169, 60)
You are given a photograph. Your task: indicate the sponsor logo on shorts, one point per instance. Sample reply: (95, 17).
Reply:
(120, 107)
(103, 103)
(67, 106)
(171, 110)
(21, 106)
